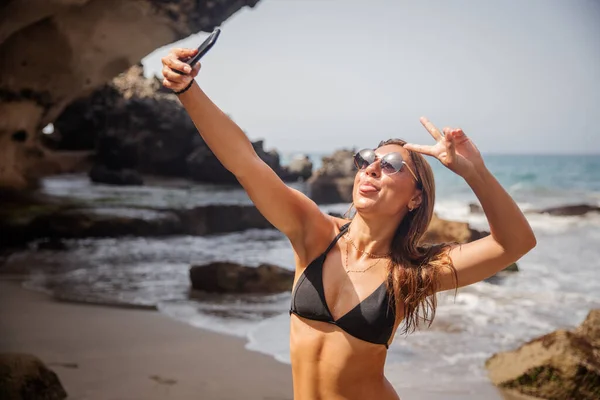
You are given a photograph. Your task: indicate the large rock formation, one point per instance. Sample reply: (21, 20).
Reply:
(557, 366)
(24, 377)
(137, 127)
(54, 51)
(222, 277)
(333, 182)
(56, 221)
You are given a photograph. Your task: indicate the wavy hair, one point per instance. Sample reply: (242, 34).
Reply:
(414, 268)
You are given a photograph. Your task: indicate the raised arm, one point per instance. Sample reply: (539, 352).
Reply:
(510, 234)
(287, 209)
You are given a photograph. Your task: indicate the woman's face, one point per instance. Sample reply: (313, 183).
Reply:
(377, 192)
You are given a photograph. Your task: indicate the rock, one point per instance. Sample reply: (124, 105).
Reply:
(333, 182)
(559, 365)
(53, 244)
(203, 165)
(222, 277)
(54, 52)
(475, 209)
(102, 174)
(138, 128)
(443, 231)
(107, 222)
(512, 268)
(215, 219)
(25, 377)
(300, 168)
(52, 222)
(572, 210)
(590, 328)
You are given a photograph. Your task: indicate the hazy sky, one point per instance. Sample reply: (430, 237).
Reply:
(519, 76)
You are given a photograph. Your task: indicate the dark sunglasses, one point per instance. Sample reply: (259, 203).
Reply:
(390, 164)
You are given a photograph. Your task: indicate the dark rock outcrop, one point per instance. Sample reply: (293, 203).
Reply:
(53, 222)
(333, 182)
(300, 168)
(557, 366)
(571, 210)
(138, 128)
(25, 377)
(203, 166)
(222, 277)
(56, 51)
(103, 174)
(443, 231)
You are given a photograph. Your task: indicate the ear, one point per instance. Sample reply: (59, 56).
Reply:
(416, 200)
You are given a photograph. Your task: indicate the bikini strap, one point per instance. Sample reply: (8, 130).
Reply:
(343, 230)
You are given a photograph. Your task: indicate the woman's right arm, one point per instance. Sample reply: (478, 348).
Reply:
(287, 209)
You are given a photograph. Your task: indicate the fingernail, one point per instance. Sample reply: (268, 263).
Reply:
(187, 69)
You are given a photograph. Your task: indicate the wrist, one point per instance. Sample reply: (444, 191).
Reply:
(185, 89)
(476, 175)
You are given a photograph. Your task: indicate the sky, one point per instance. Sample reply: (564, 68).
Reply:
(318, 75)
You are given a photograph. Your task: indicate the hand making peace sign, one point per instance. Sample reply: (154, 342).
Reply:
(453, 148)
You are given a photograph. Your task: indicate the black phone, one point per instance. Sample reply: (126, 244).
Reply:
(203, 48)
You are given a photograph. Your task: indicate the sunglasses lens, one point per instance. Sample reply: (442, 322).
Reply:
(363, 158)
(391, 163)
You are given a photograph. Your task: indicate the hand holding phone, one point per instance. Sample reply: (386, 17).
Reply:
(202, 49)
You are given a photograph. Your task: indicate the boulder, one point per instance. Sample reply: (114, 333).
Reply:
(215, 219)
(571, 210)
(203, 165)
(139, 128)
(475, 209)
(557, 366)
(52, 222)
(299, 169)
(223, 277)
(103, 174)
(443, 231)
(333, 182)
(25, 377)
(56, 51)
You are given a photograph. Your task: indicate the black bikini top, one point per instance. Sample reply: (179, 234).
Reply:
(371, 320)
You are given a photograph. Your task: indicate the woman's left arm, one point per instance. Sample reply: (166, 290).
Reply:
(510, 234)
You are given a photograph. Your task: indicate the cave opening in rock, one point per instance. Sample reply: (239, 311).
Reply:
(19, 136)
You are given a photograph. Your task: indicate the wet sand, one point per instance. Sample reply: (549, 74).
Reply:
(108, 353)
(103, 353)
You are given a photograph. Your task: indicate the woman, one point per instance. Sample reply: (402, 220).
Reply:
(357, 281)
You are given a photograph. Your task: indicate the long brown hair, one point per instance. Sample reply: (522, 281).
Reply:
(414, 269)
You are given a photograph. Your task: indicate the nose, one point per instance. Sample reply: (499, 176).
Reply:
(374, 169)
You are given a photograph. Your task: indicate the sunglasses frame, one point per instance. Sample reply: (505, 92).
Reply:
(358, 154)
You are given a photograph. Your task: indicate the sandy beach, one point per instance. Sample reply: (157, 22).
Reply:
(102, 353)
(108, 353)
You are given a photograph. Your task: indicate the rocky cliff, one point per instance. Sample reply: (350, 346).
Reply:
(54, 51)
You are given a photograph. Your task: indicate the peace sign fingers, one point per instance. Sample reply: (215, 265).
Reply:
(433, 131)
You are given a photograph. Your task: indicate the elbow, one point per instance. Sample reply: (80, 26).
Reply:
(526, 244)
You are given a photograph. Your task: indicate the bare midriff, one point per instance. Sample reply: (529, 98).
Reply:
(330, 364)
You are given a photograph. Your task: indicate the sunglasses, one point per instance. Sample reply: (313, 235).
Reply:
(390, 164)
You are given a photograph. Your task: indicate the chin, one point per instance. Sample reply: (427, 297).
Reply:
(364, 204)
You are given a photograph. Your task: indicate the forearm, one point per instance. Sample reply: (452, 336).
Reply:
(508, 225)
(223, 136)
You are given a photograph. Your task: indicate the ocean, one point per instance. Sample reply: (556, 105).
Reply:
(558, 282)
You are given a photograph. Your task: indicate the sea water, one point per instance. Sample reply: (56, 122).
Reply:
(558, 282)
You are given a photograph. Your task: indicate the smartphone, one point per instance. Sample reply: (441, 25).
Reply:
(203, 48)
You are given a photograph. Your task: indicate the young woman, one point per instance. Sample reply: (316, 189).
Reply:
(358, 280)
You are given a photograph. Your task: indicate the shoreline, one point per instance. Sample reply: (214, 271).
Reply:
(102, 353)
(105, 352)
